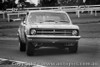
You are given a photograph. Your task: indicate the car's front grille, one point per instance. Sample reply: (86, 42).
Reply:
(54, 32)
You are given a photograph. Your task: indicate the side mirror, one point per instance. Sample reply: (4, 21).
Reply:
(24, 22)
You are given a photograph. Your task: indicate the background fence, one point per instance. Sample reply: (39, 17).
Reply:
(92, 9)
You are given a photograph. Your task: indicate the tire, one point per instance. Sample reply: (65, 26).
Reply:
(22, 46)
(73, 49)
(30, 49)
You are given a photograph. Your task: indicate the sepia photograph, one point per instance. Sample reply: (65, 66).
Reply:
(49, 33)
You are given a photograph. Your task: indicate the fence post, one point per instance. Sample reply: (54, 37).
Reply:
(78, 13)
(91, 12)
(95, 13)
(8, 17)
(18, 14)
(3, 15)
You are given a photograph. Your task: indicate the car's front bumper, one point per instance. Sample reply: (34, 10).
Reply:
(52, 39)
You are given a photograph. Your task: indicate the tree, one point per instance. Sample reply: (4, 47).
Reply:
(28, 4)
(1, 5)
(69, 2)
(46, 3)
(97, 1)
(9, 4)
(20, 1)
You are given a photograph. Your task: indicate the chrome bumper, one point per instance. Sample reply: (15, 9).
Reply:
(47, 38)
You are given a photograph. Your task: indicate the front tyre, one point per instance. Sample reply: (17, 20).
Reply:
(74, 48)
(30, 49)
(22, 46)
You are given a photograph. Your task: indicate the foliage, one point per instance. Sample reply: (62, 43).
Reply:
(46, 3)
(7, 4)
(20, 1)
(27, 4)
(67, 2)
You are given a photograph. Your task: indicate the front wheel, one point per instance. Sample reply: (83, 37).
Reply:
(30, 49)
(74, 48)
(22, 46)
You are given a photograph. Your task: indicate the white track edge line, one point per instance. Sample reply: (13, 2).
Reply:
(20, 62)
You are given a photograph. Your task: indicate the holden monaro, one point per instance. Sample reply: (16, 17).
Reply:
(47, 28)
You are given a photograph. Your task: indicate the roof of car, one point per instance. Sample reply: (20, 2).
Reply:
(47, 11)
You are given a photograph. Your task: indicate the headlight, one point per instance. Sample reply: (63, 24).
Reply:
(75, 33)
(33, 32)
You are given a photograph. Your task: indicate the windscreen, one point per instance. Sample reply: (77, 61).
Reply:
(41, 17)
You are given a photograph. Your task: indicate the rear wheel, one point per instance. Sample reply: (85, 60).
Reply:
(74, 48)
(30, 49)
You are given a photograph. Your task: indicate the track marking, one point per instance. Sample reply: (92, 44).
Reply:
(18, 63)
